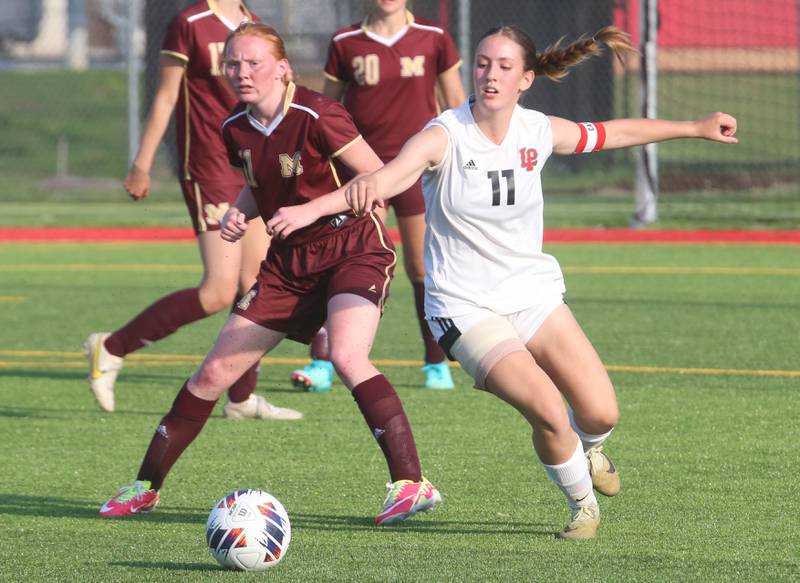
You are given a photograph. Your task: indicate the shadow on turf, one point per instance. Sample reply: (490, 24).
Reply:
(27, 373)
(50, 507)
(334, 522)
(62, 413)
(167, 565)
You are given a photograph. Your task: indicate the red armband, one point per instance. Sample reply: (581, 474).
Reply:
(593, 136)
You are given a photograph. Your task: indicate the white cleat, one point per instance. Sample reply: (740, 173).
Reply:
(103, 370)
(584, 524)
(257, 407)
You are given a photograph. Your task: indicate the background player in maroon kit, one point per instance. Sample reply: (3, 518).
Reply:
(293, 144)
(387, 70)
(191, 84)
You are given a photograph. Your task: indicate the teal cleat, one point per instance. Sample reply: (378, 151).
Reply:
(437, 376)
(315, 377)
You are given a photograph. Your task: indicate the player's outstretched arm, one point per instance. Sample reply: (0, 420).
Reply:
(422, 151)
(137, 182)
(576, 138)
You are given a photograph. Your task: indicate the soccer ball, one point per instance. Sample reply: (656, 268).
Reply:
(248, 530)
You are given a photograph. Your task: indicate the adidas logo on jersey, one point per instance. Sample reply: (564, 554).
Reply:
(470, 165)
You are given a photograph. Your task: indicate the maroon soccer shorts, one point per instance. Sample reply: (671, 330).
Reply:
(410, 202)
(207, 203)
(295, 282)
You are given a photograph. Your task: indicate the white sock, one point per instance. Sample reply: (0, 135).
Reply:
(573, 478)
(589, 440)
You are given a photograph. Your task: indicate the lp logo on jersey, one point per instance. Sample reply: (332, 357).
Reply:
(290, 165)
(529, 158)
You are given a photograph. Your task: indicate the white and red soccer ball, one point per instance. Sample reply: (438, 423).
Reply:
(248, 530)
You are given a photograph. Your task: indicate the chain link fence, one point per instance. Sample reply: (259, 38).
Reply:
(65, 131)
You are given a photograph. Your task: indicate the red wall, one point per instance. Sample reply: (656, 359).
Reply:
(719, 23)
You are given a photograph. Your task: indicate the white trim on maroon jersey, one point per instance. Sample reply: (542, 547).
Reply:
(306, 109)
(233, 117)
(387, 41)
(426, 27)
(200, 15)
(347, 34)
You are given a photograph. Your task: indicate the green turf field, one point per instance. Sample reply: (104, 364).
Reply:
(701, 342)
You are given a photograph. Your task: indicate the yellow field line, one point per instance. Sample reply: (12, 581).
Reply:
(100, 267)
(704, 371)
(592, 269)
(12, 299)
(602, 269)
(161, 360)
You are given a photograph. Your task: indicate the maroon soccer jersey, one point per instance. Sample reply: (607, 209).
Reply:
(294, 159)
(197, 37)
(391, 83)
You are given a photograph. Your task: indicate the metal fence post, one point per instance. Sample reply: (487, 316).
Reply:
(647, 160)
(133, 66)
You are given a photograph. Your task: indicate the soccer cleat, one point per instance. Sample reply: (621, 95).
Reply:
(315, 377)
(405, 498)
(133, 499)
(103, 370)
(584, 524)
(257, 407)
(605, 478)
(437, 376)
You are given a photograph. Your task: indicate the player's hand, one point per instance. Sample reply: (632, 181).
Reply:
(718, 127)
(137, 183)
(289, 219)
(362, 195)
(233, 225)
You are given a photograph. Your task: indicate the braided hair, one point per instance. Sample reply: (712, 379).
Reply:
(556, 60)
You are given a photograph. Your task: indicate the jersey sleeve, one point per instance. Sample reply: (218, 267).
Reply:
(231, 149)
(177, 41)
(448, 53)
(335, 66)
(335, 131)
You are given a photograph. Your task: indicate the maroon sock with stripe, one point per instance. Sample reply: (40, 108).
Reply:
(158, 320)
(176, 431)
(433, 352)
(388, 423)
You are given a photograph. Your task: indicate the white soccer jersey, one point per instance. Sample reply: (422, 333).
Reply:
(483, 243)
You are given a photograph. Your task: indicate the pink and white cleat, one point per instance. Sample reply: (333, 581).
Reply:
(405, 498)
(132, 499)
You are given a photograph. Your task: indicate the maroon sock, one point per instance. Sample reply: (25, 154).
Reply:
(318, 349)
(433, 352)
(244, 387)
(387, 421)
(174, 434)
(158, 320)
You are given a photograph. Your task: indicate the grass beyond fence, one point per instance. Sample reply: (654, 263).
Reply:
(750, 185)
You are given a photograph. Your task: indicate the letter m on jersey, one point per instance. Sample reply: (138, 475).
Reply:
(529, 158)
(290, 165)
(412, 66)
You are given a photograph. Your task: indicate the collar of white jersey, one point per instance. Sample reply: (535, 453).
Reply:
(287, 103)
(388, 41)
(471, 117)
